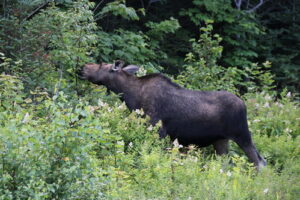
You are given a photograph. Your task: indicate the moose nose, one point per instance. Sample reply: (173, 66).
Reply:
(80, 74)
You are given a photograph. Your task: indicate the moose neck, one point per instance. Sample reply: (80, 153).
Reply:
(128, 87)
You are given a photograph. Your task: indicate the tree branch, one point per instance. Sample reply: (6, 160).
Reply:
(247, 5)
(36, 10)
(4, 8)
(98, 5)
(261, 2)
(238, 4)
(150, 2)
(142, 2)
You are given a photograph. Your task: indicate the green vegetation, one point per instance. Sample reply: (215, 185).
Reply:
(62, 138)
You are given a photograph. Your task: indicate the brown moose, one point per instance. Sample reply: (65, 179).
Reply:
(193, 117)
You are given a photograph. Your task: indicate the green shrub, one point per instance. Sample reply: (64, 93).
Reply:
(63, 147)
(56, 148)
(52, 45)
(202, 71)
(11, 94)
(47, 158)
(275, 124)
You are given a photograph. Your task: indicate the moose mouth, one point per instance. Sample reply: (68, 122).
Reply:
(82, 76)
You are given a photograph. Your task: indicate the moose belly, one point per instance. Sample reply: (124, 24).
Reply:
(198, 133)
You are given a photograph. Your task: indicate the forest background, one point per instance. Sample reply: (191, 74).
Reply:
(62, 138)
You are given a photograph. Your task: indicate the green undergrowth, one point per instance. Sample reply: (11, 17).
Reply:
(70, 147)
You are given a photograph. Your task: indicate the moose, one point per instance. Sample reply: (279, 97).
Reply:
(194, 117)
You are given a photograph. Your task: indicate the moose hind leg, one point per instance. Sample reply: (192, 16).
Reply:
(250, 150)
(221, 146)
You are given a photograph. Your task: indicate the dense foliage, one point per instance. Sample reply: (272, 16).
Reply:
(62, 138)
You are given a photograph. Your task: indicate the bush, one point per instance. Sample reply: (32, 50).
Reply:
(275, 124)
(203, 73)
(52, 45)
(61, 147)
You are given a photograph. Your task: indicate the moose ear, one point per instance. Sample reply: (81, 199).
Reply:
(118, 64)
(131, 69)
